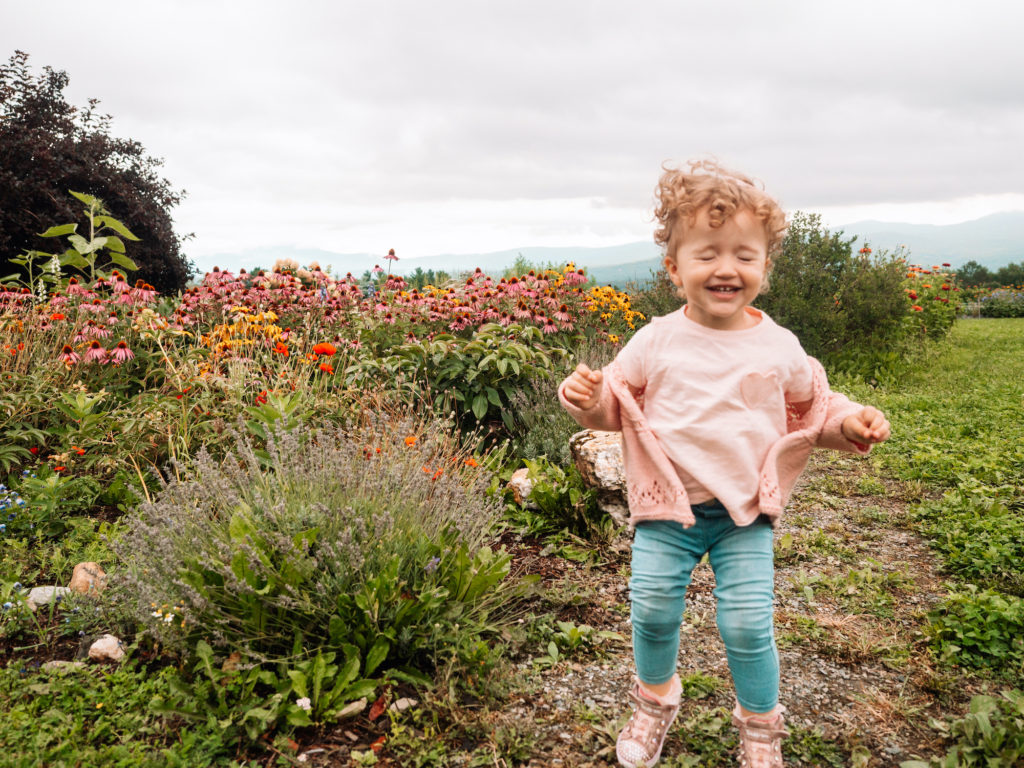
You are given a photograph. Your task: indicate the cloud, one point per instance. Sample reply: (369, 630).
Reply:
(324, 119)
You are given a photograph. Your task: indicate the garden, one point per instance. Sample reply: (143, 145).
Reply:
(267, 520)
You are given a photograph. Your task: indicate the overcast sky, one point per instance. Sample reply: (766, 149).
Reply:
(468, 126)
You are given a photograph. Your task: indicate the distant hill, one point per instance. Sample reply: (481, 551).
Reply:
(992, 241)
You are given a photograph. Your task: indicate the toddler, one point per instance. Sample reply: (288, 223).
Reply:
(719, 409)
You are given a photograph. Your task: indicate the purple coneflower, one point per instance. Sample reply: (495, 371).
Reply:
(68, 355)
(96, 352)
(122, 353)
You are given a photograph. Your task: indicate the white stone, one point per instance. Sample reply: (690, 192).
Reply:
(403, 704)
(521, 486)
(598, 457)
(352, 709)
(107, 648)
(39, 596)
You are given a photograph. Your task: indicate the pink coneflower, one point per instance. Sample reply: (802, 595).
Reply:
(68, 355)
(562, 314)
(120, 284)
(96, 353)
(548, 325)
(122, 353)
(99, 331)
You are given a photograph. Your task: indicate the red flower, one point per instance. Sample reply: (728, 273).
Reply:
(912, 294)
(945, 286)
(262, 397)
(56, 316)
(324, 348)
(916, 308)
(326, 368)
(34, 450)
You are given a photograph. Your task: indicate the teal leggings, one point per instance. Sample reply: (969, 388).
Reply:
(664, 556)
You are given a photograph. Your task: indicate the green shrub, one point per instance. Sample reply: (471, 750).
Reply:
(1003, 302)
(371, 537)
(848, 310)
(980, 536)
(560, 503)
(983, 629)
(991, 735)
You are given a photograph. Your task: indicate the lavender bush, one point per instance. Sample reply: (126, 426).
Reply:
(370, 537)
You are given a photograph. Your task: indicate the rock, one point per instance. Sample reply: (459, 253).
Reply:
(403, 704)
(107, 648)
(88, 579)
(39, 596)
(352, 709)
(598, 457)
(521, 486)
(58, 665)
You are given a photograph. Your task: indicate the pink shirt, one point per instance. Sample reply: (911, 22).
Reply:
(716, 400)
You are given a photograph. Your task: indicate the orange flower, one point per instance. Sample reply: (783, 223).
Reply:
(59, 468)
(410, 440)
(916, 308)
(326, 368)
(471, 462)
(56, 316)
(324, 348)
(281, 349)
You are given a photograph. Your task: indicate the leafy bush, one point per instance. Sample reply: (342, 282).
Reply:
(542, 426)
(560, 502)
(983, 629)
(990, 735)
(1002, 302)
(980, 535)
(848, 310)
(370, 537)
(90, 716)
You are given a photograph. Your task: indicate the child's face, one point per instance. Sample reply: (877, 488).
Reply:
(720, 270)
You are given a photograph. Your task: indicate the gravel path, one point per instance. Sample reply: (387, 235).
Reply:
(853, 587)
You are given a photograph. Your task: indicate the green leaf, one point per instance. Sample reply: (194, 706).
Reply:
(480, 405)
(298, 682)
(87, 199)
(117, 226)
(123, 261)
(72, 258)
(376, 655)
(80, 244)
(63, 229)
(115, 244)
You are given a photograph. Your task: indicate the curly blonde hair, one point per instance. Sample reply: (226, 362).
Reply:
(681, 194)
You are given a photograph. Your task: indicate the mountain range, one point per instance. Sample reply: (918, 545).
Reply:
(993, 241)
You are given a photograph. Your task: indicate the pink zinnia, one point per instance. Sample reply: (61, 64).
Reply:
(122, 353)
(96, 352)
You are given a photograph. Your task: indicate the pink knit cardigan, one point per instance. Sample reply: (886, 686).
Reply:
(654, 489)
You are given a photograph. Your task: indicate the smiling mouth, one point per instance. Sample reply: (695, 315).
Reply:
(724, 289)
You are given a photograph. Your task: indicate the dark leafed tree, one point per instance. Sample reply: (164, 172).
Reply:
(49, 147)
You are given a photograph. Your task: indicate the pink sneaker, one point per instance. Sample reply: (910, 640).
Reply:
(640, 742)
(760, 740)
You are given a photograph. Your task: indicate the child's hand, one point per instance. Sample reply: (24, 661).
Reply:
(868, 426)
(583, 387)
